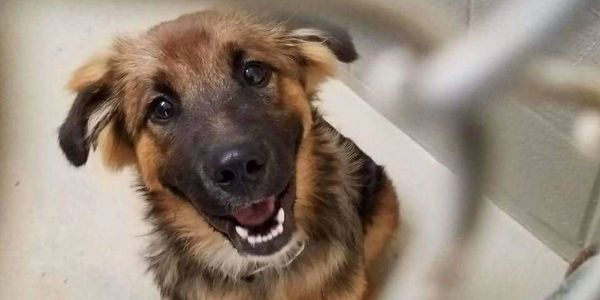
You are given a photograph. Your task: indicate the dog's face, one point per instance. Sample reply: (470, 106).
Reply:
(212, 109)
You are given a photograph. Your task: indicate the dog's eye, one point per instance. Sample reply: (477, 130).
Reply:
(256, 74)
(162, 109)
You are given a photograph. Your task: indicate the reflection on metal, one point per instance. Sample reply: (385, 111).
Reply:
(452, 75)
(584, 283)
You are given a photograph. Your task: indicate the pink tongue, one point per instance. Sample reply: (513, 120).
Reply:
(256, 213)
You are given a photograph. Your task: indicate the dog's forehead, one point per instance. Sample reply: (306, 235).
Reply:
(202, 46)
(194, 54)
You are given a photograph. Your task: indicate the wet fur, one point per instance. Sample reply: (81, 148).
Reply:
(346, 209)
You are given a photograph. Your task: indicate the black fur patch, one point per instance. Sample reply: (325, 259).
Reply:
(372, 177)
(72, 133)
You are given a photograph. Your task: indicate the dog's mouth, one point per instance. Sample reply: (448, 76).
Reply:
(261, 228)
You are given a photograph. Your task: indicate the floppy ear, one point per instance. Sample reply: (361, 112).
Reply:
(336, 38)
(91, 111)
(321, 44)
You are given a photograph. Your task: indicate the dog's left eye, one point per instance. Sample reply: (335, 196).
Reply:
(256, 74)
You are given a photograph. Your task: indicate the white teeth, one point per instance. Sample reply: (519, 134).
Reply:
(252, 239)
(280, 216)
(256, 239)
(243, 232)
(274, 232)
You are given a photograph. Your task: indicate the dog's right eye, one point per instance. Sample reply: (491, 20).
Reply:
(162, 109)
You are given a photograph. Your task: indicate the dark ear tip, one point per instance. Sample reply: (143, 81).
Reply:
(342, 45)
(347, 55)
(73, 145)
(337, 38)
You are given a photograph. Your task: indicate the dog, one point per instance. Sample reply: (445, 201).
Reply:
(251, 193)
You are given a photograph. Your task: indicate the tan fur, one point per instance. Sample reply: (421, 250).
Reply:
(311, 281)
(148, 160)
(116, 153)
(357, 287)
(379, 237)
(322, 64)
(305, 180)
(296, 99)
(90, 73)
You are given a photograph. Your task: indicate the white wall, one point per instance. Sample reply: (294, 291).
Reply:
(535, 172)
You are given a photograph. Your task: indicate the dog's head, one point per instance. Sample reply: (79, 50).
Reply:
(211, 108)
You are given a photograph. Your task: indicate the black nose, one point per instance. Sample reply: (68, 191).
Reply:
(239, 169)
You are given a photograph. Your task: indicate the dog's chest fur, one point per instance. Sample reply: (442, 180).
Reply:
(339, 197)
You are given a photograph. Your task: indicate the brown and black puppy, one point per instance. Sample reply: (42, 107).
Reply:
(252, 194)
